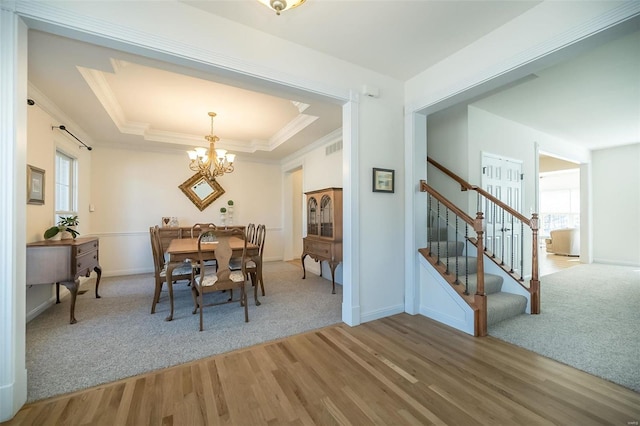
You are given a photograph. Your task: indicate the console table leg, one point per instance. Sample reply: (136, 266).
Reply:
(57, 292)
(98, 270)
(72, 286)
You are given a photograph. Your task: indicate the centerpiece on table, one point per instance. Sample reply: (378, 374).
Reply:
(66, 228)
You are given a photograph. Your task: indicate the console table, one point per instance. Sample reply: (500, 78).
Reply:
(62, 262)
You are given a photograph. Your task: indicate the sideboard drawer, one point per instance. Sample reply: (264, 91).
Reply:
(85, 248)
(318, 248)
(85, 264)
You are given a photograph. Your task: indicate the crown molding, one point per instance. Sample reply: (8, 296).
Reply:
(49, 17)
(330, 138)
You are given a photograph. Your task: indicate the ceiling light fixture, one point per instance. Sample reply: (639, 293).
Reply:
(281, 5)
(212, 163)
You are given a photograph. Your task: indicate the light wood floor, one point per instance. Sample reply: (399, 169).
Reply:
(394, 371)
(550, 263)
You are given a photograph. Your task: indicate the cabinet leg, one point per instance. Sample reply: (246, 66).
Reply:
(57, 292)
(304, 271)
(98, 270)
(333, 266)
(72, 286)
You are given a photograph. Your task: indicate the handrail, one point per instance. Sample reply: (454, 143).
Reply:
(448, 204)
(504, 206)
(466, 186)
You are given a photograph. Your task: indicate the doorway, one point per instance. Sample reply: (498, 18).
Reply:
(559, 195)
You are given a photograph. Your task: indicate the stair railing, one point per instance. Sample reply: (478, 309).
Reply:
(442, 211)
(503, 246)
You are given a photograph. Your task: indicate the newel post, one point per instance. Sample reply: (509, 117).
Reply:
(480, 296)
(534, 285)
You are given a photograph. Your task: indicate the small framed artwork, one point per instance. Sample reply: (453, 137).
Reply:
(383, 180)
(35, 185)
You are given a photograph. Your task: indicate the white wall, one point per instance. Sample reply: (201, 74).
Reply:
(314, 170)
(448, 145)
(132, 190)
(42, 142)
(616, 205)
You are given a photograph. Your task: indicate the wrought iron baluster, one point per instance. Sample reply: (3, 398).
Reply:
(466, 259)
(430, 224)
(493, 243)
(446, 224)
(512, 245)
(521, 251)
(438, 230)
(457, 281)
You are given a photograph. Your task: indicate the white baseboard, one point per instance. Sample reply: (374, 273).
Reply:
(615, 262)
(41, 308)
(382, 313)
(123, 272)
(13, 396)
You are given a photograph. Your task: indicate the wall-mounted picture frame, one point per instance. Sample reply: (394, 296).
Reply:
(201, 190)
(383, 180)
(35, 185)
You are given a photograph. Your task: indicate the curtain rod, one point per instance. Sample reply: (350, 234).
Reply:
(62, 127)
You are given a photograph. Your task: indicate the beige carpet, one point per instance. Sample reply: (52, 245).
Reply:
(117, 337)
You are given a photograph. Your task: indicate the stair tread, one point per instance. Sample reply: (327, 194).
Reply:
(503, 305)
(492, 283)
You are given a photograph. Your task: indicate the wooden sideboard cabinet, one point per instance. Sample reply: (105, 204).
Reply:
(324, 230)
(62, 262)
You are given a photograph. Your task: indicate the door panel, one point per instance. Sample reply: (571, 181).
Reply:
(502, 178)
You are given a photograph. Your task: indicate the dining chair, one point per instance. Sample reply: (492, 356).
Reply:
(253, 264)
(196, 230)
(183, 272)
(251, 231)
(207, 281)
(198, 227)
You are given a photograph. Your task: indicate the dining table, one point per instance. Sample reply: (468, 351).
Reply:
(182, 250)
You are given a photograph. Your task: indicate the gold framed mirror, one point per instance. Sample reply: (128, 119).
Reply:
(201, 191)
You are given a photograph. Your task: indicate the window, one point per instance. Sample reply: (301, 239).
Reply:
(559, 200)
(65, 186)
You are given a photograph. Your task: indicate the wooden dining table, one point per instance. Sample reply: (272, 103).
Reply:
(184, 249)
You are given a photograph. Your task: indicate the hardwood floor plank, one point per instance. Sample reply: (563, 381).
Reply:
(400, 370)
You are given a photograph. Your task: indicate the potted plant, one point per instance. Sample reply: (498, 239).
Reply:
(66, 227)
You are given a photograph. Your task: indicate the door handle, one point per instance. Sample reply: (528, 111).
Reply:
(505, 229)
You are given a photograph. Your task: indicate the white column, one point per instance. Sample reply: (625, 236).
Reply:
(415, 211)
(13, 122)
(351, 214)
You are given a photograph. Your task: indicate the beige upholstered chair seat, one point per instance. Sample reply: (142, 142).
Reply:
(235, 264)
(209, 280)
(180, 270)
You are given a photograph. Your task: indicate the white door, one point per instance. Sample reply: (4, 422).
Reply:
(502, 178)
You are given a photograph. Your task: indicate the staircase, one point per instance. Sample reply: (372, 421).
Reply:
(463, 284)
(452, 255)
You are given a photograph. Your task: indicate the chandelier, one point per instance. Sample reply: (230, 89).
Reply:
(281, 5)
(214, 162)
